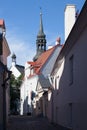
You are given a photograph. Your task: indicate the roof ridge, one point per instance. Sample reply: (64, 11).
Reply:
(53, 48)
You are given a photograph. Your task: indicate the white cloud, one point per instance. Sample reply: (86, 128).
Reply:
(23, 50)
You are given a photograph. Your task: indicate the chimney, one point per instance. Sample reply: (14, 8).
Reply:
(58, 41)
(70, 12)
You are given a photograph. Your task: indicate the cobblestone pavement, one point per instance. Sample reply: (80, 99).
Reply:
(29, 123)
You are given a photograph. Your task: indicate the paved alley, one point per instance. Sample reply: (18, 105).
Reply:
(29, 123)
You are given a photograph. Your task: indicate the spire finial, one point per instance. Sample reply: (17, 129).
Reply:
(41, 24)
(40, 10)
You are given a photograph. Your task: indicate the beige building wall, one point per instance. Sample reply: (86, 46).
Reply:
(6, 52)
(70, 98)
(49, 106)
(70, 79)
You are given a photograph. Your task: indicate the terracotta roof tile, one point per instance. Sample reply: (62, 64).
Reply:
(31, 63)
(42, 59)
(2, 23)
(38, 65)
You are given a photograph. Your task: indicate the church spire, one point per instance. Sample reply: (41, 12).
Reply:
(41, 32)
(41, 41)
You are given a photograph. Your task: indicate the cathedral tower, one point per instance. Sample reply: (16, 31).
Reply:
(41, 41)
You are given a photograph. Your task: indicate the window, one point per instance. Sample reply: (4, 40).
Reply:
(70, 115)
(71, 70)
(57, 82)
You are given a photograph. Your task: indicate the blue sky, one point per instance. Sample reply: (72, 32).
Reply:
(22, 19)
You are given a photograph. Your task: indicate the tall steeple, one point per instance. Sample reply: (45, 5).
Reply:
(41, 26)
(41, 41)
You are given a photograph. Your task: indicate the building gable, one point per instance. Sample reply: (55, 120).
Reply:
(15, 71)
(39, 87)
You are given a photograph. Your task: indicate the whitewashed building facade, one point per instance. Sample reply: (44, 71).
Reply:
(69, 93)
(32, 72)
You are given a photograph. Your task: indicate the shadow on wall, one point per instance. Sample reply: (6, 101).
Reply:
(56, 103)
(59, 108)
(38, 107)
(61, 96)
(26, 107)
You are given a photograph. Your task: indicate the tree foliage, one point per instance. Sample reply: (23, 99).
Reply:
(15, 84)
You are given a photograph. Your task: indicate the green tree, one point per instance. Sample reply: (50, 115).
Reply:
(15, 84)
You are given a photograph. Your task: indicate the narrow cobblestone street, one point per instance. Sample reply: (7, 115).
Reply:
(29, 123)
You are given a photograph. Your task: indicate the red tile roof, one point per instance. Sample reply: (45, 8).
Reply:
(2, 23)
(42, 59)
(38, 65)
(31, 63)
